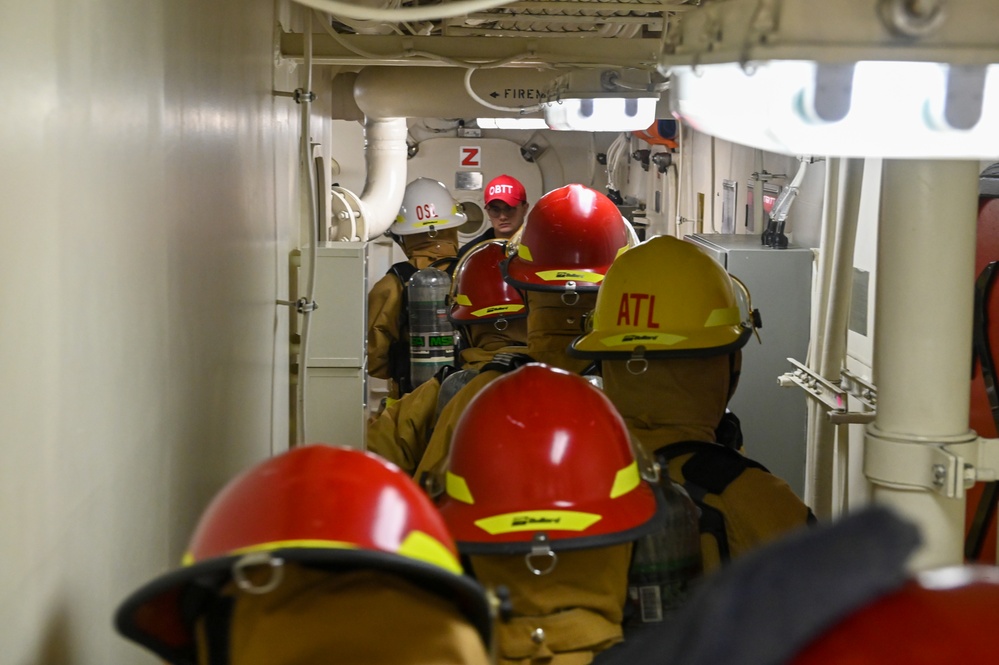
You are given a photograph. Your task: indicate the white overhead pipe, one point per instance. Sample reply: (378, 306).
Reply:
(385, 154)
(915, 448)
(449, 92)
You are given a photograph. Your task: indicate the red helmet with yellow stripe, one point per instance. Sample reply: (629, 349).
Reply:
(479, 293)
(540, 453)
(570, 238)
(320, 506)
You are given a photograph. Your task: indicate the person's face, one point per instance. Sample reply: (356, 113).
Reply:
(505, 219)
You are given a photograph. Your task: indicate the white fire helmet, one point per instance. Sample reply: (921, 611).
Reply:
(427, 206)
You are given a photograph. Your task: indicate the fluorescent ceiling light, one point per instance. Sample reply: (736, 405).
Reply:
(601, 101)
(511, 123)
(871, 109)
(601, 114)
(910, 80)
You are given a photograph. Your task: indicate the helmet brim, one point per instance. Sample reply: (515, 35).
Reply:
(621, 343)
(635, 516)
(465, 315)
(534, 277)
(160, 615)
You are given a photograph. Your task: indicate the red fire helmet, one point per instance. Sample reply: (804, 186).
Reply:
(542, 451)
(479, 293)
(570, 238)
(941, 616)
(317, 505)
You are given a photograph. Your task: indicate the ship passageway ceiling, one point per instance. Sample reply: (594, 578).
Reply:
(561, 34)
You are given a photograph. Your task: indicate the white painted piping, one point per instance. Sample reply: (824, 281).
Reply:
(385, 153)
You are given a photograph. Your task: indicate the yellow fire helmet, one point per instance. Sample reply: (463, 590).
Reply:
(666, 298)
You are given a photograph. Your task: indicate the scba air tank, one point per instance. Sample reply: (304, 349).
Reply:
(431, 336)
(666, 562)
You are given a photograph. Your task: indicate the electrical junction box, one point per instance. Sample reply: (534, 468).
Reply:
(774, 419)
(336, 376)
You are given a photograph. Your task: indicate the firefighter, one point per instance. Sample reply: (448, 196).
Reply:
(544, 495)
(426, 229)
(491, 317)
(572, 235)
(315, 556)
(840, 593)
(505, 202)
(668, 332)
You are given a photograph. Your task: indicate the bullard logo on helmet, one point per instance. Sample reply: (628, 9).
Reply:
(567, 274)
(639, 338)
(527, 519)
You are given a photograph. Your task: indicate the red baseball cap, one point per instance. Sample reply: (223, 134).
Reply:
(506, 189)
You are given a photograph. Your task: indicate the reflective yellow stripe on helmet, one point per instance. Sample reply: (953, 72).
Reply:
(664, 339)
(538, 520)
(577, 275)
(463, 300)
(625, 480)
(498, 309)
(424, 547)
(417, 545)
(457, 488)
(189, 559)
(726, 316)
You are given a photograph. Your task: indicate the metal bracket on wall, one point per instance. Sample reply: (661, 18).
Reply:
(835, 395)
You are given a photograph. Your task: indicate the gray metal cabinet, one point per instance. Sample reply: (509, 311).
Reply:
(774, 419)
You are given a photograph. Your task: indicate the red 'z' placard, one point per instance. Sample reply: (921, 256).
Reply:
(471, 155)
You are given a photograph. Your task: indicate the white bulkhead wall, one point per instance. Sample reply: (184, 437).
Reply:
(150, 201)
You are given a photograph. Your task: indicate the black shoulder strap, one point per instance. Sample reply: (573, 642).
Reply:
(506, 362)
(711, 469)
(399, 349)
(403, 270)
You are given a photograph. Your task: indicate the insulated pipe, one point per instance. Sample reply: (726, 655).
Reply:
(818, 477)
(922, 347)
(439, 92)
(832, 352)
(385, 154)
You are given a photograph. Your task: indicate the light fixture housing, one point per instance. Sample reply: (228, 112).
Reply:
(851, 78)
(511, 123)
(602, 101)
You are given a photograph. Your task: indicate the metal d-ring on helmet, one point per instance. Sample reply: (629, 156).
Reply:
(478, 292)
(319, 506)
(641, 313)
(540, 462)
(570, 238)
(427, 207)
